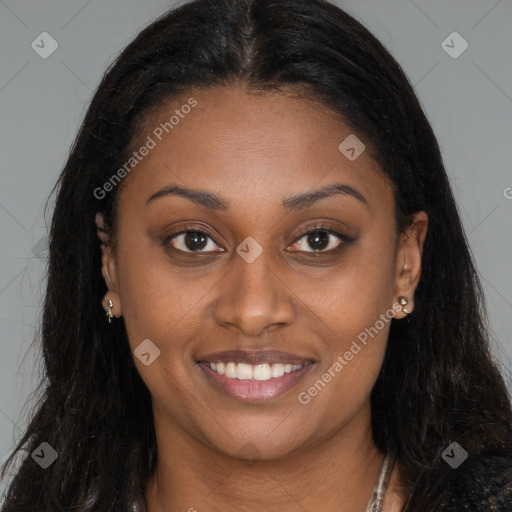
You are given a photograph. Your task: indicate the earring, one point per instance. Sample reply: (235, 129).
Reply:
(403, 302)
(110, 305)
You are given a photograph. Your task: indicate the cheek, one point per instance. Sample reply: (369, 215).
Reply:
(354, 310)
(159, 306)
(351, 297)
(157, 302)
(342, 386)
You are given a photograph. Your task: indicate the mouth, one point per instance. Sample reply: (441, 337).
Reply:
(261, 372)
(254, 376)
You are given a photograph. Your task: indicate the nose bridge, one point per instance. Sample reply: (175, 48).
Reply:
(254, 296)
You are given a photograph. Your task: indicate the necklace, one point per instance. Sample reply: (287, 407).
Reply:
(379, 491)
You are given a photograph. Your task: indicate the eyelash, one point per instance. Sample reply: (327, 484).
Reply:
(314, 229)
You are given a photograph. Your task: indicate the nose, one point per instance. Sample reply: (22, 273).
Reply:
(253, 297)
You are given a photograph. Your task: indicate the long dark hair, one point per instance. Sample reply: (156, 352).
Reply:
(438, 382)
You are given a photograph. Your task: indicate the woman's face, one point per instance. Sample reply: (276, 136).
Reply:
(256, 294)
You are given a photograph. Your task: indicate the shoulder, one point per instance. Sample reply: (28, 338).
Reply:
(481, 484)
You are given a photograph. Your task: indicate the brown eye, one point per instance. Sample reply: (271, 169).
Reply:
(195, 241)
(320, 240)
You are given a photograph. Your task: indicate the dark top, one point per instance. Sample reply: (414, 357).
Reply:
(480, 485)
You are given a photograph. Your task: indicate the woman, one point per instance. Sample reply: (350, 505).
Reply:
(260, 296)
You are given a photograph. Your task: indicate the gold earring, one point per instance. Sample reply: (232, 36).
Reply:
(110, 305)
(403, 302)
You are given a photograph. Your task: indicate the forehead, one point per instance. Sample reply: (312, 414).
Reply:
(257, 147)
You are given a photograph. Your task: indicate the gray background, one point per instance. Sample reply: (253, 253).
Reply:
(42, 102)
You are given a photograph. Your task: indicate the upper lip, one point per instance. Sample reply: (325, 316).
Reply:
(254, 357)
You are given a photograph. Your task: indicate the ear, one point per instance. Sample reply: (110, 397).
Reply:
(108, 268)
(408, 260)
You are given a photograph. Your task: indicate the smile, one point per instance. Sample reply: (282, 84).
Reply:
(254, 376)
(261, 372)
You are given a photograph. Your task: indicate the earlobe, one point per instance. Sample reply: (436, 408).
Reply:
(408, 263)
(112, 305)
(111, 301)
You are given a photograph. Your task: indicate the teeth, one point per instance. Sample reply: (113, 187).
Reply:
(230, 370)
(244, 371)
(277, 370)
(262, 372)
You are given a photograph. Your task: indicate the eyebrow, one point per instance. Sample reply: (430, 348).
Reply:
(293, 203)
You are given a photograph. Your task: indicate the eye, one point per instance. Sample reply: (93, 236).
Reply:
(321, 239)
(193, 241)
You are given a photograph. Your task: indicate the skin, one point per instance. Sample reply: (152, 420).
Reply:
(217, 453)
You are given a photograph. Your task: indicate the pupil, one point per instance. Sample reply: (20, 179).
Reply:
(315, 239)
(195, 240)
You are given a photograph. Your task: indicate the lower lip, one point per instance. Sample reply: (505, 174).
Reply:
(255, 390)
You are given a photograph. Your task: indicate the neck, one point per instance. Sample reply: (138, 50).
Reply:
(336, 474)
